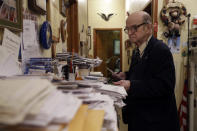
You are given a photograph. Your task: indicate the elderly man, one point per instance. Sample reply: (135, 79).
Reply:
(150, 81)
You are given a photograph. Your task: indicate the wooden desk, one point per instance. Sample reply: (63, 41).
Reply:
(87, 120)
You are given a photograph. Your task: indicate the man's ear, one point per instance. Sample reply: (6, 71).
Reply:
(148, 27)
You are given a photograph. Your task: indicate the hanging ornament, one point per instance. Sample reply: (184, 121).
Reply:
(173, 15)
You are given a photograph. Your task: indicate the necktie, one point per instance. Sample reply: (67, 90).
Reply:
(137, 55)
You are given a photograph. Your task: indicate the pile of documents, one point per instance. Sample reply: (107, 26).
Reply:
(78, 60)
(98, 96)
(38, 102)
(34, 102)
(117, 93)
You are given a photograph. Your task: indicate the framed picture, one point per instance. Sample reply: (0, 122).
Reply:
(63, 5)
(116, 47)
(11, 14)
(38, 6)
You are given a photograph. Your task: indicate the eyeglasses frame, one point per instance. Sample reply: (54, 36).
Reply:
(135, 28)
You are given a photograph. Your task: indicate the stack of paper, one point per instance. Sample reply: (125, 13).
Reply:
(117, 93)
(56, 108)
(112, 90)
(96, 74)
(35, 102)
(18, 96)
(98, 96)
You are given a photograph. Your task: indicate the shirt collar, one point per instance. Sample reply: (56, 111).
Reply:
(143, 46)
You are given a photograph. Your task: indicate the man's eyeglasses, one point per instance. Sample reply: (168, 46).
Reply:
(133, 28)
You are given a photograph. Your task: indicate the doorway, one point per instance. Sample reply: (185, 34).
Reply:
(108, 47)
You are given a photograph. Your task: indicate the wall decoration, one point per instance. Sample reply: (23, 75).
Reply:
(46, 35)
(106, 17)
(38, 6)
(63, 26)
(173, 15)
(11, 14)
(174, 44)
(63, 5)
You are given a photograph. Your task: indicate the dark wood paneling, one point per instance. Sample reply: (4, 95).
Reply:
(154, 12)
(72, 28)
(152, 9)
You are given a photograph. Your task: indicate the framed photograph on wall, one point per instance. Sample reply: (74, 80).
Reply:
(116, 47)
(11, 14)
(63, 5)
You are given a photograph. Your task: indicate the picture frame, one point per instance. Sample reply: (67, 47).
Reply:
(11, 14)
(116, 44)
(63, 6)
(37, 6)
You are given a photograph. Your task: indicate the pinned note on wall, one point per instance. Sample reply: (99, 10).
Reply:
(11, 42)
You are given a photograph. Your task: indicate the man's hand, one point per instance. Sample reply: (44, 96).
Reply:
(125, 83)
(119, 76)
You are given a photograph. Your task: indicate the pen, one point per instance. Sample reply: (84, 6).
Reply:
(110, 70)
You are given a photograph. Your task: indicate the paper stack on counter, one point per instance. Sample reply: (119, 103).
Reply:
(57, 108)
(116, 91)
(18, 96)
(96, 74)
(34, 102)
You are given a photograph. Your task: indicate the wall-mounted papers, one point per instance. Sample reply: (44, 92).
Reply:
(8, 64)
(12, 42)
(31, 47)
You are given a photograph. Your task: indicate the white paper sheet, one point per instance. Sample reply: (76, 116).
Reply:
(8, 64)
(31, 47)
(29, 33)
(11, 42)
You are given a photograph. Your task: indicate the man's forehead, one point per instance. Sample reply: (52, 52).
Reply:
(133, 20)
